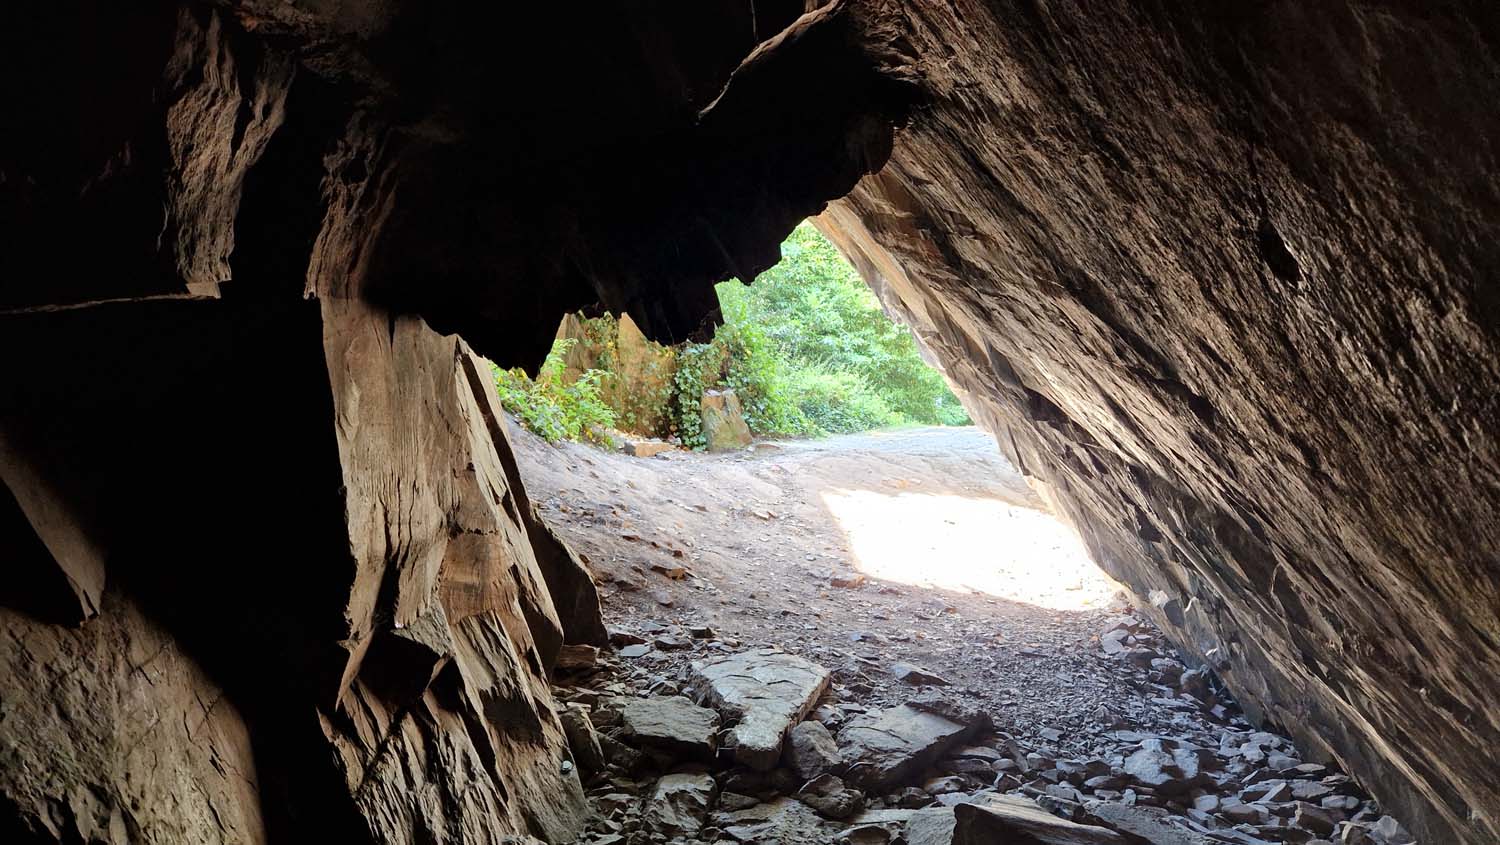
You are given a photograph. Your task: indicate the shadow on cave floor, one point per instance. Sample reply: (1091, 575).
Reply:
(919, 546)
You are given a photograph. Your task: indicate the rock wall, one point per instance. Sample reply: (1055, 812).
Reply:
(1216, 277)
(1222, 282)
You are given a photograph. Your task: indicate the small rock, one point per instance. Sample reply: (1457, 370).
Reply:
(1313, 819)
(619, 637)
(640, 650)
(667, 642)
(915, 676)
(576, 658)
(945, 785)
(732, 801)
(828, 795)
(811, 751)
(583, 740)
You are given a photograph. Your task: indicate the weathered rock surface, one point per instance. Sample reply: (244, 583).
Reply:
(830, 797)
(1147, 823)
(768, 691)
(811, 751)
(887, 747)
(680, 803)
(723, 421)
(671, 723)
(782, 820)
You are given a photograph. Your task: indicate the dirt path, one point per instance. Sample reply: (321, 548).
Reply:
(964, 572)
(873, 555)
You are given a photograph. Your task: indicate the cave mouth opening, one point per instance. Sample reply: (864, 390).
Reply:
(928, 520)
(896, 483)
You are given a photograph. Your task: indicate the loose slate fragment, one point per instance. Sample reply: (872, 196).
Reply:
(1010, 818)
(885, 748)
(671, 723)
(767, 691)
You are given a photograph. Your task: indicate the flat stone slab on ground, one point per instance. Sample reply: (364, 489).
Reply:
(768, 691)
(671, 723)
(889, 747)
(1011, 818)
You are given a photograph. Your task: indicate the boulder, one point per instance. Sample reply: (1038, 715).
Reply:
(888, 748)
(784, 821)
(583, 740)
(1149, 824)
(1013, 819)
(724, 427)
(679, 804)
(830, 797)
(766, 692)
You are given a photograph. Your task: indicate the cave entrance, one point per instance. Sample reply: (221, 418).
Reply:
(809, 399)
(884, 616)
(893, 549)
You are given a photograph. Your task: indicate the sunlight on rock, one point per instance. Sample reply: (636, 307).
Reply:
(961, 543)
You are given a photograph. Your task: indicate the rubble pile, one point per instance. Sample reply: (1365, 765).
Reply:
(711, 742)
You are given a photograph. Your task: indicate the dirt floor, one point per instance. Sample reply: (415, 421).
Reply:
(919, 546)
(907, 563)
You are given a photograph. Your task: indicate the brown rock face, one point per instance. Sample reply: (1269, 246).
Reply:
(1229, 297)
(1220, 280)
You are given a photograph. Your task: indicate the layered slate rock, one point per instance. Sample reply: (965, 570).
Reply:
(888, 747)
(783, 820)
(1229, 302)
(1008, 818)
(767, 691)
(671, 723)
(810, 750)
(1149, 823)
(679, 804)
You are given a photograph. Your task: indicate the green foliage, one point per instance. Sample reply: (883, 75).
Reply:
(699, 367)
(806, 349)
(758, 375)
(550, 406)
(818, 354)
(835, 400)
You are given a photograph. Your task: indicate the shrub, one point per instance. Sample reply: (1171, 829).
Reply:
(551, 407)
(838, 401)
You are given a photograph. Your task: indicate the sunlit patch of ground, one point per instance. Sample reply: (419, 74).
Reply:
(963, 543)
